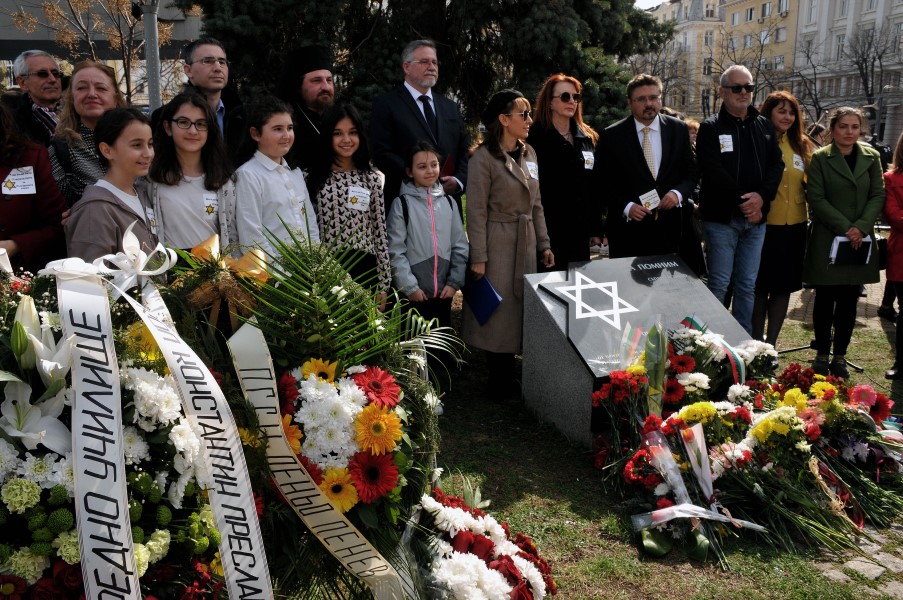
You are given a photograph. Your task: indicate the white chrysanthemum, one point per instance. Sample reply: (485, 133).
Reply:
(185, 440)
(355, 369)
(738, 393)
(351, 393)
(38, 469)
(661, 489)
(160, 480)
(64, 474)
(468, 577)
(533, 576)
(156, 398)
(177, 490)
(693, 382)
(756, 348)
(803, 446)
(9, 460)
(50, 320)
(135, 447)
(336, 410)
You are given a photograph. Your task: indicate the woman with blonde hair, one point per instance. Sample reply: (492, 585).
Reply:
(781, 266)
(73, 155)
(564, 147)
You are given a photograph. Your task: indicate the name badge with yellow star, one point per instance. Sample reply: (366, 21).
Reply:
(358, 198)
(211, 205)
(19, 182)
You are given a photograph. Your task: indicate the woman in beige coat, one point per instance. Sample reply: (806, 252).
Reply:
(506, 228)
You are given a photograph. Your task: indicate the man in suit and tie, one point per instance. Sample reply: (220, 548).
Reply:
(645, 171)
(412, 113)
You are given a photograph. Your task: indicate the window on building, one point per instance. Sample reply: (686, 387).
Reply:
(709, 38)
(763, 64)
(750, 13)
(842, 8)
(839, 43)
(764, 36)
(779, 62)
(783, 6)
(735, 18)
(747, 40)
(707, 66)
(780, 34)
(811, 11)
(766, 9)
(732, 43)
(899, 43)
(710, 11)
(807, 48)
(871, 5)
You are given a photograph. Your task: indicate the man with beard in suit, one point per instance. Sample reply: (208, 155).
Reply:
(412, 113)
(646, 172)
(307, 85)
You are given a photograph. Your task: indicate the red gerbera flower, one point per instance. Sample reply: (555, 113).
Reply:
(12, 587)
(379, 386)
(673, 393)
(312, 469)
(881, 409)
(374, 476)
(681, 363)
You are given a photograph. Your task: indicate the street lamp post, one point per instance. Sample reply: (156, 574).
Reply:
(152, 52)
(879, 103)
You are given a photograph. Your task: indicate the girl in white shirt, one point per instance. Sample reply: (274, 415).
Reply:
(271, 192)
(191, 184)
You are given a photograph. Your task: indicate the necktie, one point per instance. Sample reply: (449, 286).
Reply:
(430, 116)
(647, 151)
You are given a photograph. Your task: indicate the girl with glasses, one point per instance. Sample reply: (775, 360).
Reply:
(506, 228)
(564, 147)
(191, 184)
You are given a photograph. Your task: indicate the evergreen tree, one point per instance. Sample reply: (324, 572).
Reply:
(483, 45)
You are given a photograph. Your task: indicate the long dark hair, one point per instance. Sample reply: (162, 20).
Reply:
(321, 169)
(798, 141)
(111, 125)
(12, 143)
(165, 167)
(258, 113)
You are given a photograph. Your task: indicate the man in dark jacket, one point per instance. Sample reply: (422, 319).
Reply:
(306, 84)
(413, 113)
(36, 111)
(741, 167)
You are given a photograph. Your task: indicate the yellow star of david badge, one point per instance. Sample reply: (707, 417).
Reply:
(209, 209)
(9, 184)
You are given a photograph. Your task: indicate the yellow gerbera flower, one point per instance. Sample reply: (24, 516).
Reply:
(378, 429)
(292, 433)
(339, 488)
(322, 369)
(819, 388)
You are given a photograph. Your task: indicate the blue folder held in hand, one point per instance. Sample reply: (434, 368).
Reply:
(482, 298)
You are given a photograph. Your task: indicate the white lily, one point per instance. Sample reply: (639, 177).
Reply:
(53, 358)
(34, 424)
(27, 315)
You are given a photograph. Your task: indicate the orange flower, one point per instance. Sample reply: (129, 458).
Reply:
(292, 433)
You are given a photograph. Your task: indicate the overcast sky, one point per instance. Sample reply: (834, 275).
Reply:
(647, 3)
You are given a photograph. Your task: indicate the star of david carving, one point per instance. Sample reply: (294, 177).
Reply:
(611, 316)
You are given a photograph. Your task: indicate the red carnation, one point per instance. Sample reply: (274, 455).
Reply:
(505, 565)
(663, 503)
(652, 423)
(521, 592)
(482, 547)
(379, 387)
(288, 393)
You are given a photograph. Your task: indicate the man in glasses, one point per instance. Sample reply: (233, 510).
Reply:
(740, 169)
(646, 171)
(306, 84)
(413, 113)
(36, 112)
(207, 69)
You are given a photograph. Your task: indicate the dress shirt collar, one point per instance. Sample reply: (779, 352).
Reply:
(654, 126)
(267, 163)
(416, 95)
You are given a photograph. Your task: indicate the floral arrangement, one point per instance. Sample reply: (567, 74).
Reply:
(806, 456)
(175, 539)
(475, 556)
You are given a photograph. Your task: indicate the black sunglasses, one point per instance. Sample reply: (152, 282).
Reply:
(740, 88)
(567, 97)
(45, 73)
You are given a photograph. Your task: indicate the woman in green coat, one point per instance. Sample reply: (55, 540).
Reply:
(845, 194)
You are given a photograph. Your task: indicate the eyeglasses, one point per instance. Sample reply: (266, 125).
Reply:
(527, 114)
(426, 62)
(45, 73)
(645, 99)
(746, 87)
(567, 97)
(185, 123)
(209, 61)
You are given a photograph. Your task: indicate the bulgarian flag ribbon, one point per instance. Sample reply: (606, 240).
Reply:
(738, 367)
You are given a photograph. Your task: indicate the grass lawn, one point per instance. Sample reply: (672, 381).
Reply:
(548, 489)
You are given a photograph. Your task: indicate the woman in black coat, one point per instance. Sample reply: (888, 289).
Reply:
(564, 147)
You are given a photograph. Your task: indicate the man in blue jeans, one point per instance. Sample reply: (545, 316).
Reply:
(740, 169)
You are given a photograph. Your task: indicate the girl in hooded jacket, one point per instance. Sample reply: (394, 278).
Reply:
(428, 249)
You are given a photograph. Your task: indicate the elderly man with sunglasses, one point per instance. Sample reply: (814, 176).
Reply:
(36, 112)
(740, 169)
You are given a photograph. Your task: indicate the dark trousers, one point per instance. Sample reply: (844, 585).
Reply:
(835, 306)
(433, 308)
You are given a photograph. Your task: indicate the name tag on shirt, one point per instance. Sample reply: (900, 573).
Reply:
(20, 182)
(211, 205)
(588, 159)
(151, 220)
(532, 169)
(726, 142)
(798, 163)
(358, 198)
(650, 200)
